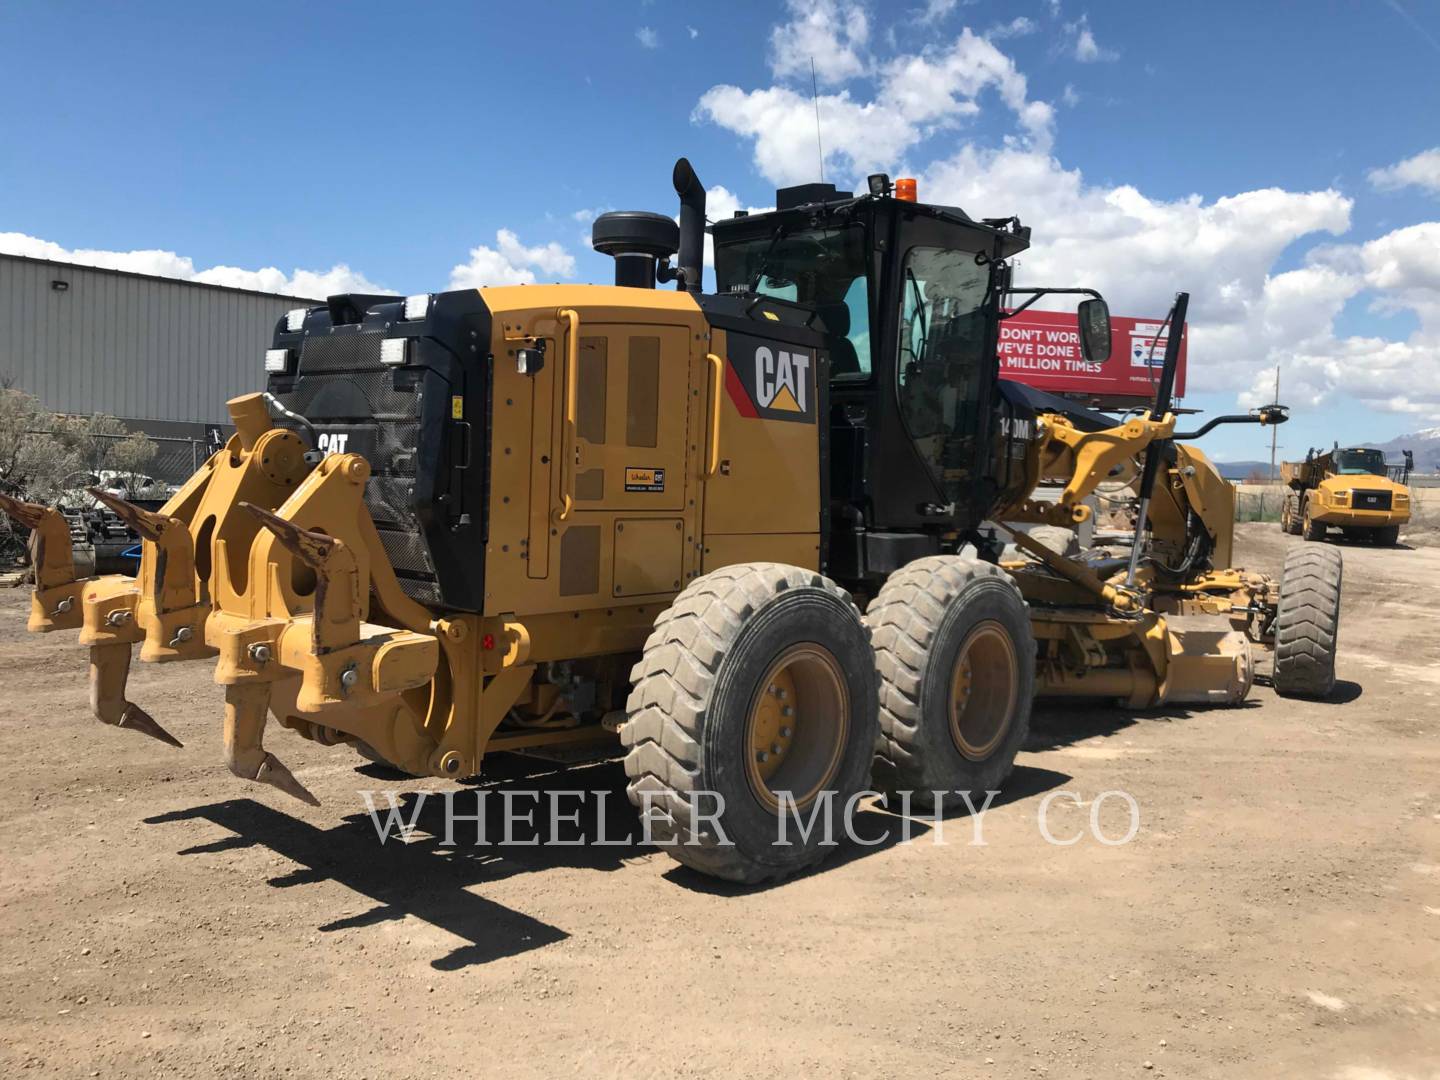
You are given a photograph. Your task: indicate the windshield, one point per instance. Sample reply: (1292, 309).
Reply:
(821, 268)
(1360, 462)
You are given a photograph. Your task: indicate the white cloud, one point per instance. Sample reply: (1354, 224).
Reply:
(1016, 27)
(832, 33)
(1421, 171)
(1070, 96)
(918, 95)
(511, 263)
(648, 37)
(692, 32)
(1086, 49)
(313, 284)
(1246, 313)
(935, 10)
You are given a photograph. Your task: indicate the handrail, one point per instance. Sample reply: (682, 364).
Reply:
(717, 386)
(568, 448)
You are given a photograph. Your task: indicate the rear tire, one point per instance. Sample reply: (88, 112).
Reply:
(955, 654)
(1311, 529)
(757, 680)
(1307, 622)
(1290, 516)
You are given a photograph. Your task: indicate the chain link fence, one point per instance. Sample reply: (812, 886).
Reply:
(1259, 503)
(173, 459)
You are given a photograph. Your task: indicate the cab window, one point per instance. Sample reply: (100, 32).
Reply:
(820, 268)
(1360, 463)
(941, 366)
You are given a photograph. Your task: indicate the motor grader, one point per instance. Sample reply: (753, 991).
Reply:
(755, 539)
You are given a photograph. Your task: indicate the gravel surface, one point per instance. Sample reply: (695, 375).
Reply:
(1277, 913)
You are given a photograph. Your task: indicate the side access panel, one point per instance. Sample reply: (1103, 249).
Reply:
(764, 501)
(632, 531)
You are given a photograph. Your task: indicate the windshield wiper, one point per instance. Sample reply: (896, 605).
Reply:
(919, 311)
(780, 233)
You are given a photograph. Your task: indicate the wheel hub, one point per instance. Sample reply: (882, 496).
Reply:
(984, 690)
(797, 726)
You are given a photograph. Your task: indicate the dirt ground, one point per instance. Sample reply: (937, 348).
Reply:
(1277, 914)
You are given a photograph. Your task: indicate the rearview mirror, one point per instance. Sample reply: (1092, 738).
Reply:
(1094, 316)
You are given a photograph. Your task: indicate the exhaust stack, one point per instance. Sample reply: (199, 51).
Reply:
(692, 225)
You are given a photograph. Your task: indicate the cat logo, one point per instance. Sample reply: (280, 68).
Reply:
(333, 442)
(780, 379)
(771, 380)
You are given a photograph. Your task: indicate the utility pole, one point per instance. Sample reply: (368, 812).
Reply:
(1275, 429)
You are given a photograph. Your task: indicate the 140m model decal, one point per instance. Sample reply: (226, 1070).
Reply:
(771, 380)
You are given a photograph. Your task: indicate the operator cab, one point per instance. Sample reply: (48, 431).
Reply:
(909, 296)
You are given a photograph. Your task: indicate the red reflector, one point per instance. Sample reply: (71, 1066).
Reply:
(487, 642)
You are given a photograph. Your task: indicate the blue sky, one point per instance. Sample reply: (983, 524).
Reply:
(389, 144)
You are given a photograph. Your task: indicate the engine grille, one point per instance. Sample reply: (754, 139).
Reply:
(344, 390)
(1370, 500)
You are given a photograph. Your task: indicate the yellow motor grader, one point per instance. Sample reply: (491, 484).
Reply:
(578, 520)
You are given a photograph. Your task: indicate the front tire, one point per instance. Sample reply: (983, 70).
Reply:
(1312, 529)
(955, 654)
(1307, 622)
(756, 684)
(1386, 535)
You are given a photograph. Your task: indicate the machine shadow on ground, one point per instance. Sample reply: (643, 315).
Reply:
(1054, 727)
(437, 882)
(877, 828)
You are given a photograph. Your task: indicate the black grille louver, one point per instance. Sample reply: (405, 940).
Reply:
(342, 388)
(1370, 500)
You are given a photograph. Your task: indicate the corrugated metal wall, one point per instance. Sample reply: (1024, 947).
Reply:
(131, 346)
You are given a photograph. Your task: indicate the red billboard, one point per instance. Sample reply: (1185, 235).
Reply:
(1042, 349)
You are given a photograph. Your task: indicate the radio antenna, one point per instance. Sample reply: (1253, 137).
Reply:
(815, 97)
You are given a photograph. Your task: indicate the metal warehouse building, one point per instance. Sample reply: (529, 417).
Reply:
(159, 353)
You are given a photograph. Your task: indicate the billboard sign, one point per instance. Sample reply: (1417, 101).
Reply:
(1042, 349)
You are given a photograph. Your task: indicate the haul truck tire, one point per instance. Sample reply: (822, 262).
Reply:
(1386, 535)
(1290, 516)
(955, 655)
(757, 681)
(1311, 529)
(1307, 622)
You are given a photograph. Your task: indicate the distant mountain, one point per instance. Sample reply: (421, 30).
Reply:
(1425, 445)
(1242, 470)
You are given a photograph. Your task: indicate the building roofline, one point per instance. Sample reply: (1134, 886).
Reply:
(160, 277)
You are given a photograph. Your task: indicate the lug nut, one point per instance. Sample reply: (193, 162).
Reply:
(775, 748)
(260, 653)
(784, 733)
(763, 756)
(787, 711)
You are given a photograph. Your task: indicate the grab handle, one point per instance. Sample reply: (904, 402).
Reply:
(572, 378)
(717, 385)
